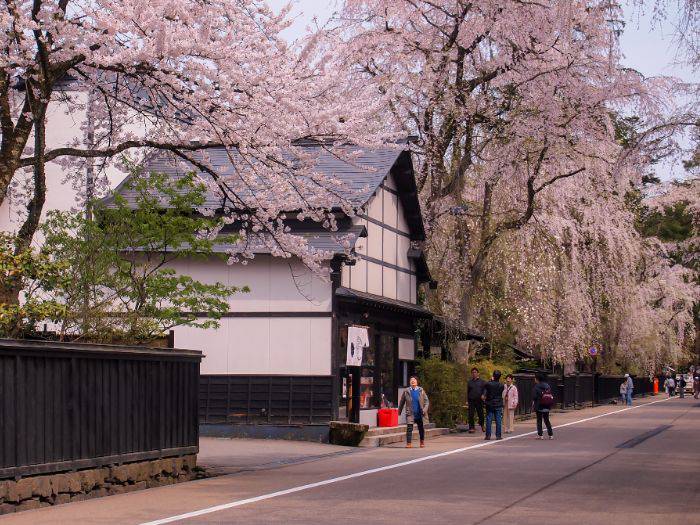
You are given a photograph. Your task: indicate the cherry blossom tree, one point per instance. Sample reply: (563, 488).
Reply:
(516, 109)
(177, 76)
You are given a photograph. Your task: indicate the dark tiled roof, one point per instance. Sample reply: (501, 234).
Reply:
(319, 240)
(361, 170)
(334, 243)
(384, 303)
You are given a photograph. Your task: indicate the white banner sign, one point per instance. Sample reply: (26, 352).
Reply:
(358, 340)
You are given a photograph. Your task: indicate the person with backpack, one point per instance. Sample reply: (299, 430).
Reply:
(493, 399)
(542, 403)
(510, 403)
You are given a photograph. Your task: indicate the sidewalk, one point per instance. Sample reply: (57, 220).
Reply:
(220, 456)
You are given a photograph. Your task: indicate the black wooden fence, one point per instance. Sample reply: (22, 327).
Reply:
(578, 390)
(73, 406)
(253, 399)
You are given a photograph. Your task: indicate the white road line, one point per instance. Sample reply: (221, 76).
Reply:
(300, 488)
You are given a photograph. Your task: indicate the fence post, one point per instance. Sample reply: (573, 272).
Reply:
(562, 388)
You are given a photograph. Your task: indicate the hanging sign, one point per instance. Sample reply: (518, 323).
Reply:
(358, 340)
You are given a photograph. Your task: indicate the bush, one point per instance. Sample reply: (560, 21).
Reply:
(446, 385)
(486, 368)
(445, 382)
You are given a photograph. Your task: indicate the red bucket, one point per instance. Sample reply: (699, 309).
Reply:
(388, 417)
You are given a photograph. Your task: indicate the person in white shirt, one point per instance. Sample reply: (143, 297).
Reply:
(510, 403)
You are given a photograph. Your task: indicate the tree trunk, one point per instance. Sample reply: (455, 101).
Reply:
(6, 174)
(36, 205)
(696, 321)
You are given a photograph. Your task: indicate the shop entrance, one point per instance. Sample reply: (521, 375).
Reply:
(349, 406)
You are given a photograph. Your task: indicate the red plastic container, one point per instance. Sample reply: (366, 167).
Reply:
(388, 417)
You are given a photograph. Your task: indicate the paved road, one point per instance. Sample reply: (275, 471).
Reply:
(606, 465)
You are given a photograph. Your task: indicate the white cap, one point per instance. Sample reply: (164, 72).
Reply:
(627, 375)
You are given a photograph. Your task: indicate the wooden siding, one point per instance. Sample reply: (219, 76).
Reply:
(255, 399)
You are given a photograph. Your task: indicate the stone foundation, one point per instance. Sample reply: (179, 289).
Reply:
(53, 489)
(347, 434)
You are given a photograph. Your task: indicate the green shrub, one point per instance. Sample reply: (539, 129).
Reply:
(486, 368)
(445, 382)
(446, 385)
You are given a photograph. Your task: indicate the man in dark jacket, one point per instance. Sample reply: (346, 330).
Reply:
(493, 398)
(539, 406)
(475, 389)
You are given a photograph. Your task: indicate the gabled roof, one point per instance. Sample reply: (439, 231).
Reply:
(361, 170)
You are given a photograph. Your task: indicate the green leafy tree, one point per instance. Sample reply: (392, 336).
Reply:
(117, 283)
(36, 275)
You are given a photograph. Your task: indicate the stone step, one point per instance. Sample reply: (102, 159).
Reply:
(379, 431)
(383, 440)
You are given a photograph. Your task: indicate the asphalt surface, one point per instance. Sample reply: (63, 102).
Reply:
(605, 465)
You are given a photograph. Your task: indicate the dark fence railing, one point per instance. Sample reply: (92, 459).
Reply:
(72, 406)
(253, 399)
(577, 390)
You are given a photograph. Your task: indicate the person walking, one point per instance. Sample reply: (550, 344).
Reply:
(669, 385)
(623, 391)
(696, 384)
(493, 399)
(542, 402)
(630, 389)
(475, 389)
(681, 386)
(416, 402)
(510, 403)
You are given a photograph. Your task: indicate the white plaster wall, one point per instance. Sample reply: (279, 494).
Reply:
(386, 245)
(374, 278)
(390, 209)
(276, 285)
(403, 292)
(389, 283)
(390, 246)
(62, 129)
(263, 345)
(358, 276)
(402, 246)
(266, 346)
(374, 241)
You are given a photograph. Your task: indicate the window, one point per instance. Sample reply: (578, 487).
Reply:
(385, 368)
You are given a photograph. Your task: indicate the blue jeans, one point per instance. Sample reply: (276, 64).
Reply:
(629, 397)
(491, 414)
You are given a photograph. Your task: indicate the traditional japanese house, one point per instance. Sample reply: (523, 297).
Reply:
(279, 360)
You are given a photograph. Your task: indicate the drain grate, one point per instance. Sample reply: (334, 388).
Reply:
(643, 437)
